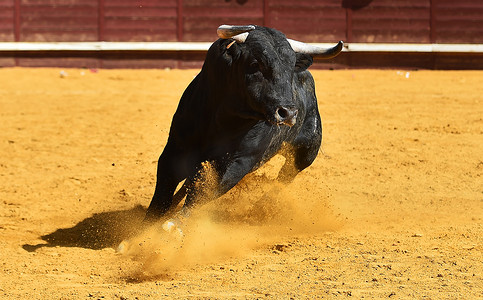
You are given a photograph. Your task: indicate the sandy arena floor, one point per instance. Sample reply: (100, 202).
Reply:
(392, 207)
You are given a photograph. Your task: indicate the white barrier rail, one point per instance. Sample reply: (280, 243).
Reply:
(181, 46)
(428, 48)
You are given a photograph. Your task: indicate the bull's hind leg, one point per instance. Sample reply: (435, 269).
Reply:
(302, 152)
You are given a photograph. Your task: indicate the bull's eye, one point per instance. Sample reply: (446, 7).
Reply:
(253, 67)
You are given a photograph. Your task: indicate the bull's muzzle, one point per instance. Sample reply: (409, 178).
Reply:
(286, 116)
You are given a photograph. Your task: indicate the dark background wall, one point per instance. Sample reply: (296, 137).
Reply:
(361, 21)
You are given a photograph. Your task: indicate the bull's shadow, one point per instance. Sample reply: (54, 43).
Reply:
(102, 230)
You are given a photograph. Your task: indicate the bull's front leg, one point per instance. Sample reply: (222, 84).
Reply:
(172, 169)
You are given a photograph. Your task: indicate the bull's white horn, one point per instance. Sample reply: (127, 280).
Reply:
(316, 51)
(238, 33)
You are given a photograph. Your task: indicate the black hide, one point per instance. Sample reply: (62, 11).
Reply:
(250, 101)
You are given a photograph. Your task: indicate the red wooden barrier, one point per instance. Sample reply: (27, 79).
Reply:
(7, 20)
(365, 21)
(402, 21)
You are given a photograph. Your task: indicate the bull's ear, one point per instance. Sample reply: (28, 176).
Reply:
(303, 62)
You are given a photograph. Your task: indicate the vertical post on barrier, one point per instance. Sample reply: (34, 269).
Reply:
(179, 31)
(16, 13)
(266, 12)
(348, 31)
(179, 26)
(348, 24)
(432, 22)
(100, 21)
(16, 30)
(101, 24)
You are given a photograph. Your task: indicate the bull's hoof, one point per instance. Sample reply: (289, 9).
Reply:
(152, 237)
(123, 247)
(172, 227)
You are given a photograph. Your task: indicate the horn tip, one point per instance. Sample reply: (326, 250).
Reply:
(340, 45)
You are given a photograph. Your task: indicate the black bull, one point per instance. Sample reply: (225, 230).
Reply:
(253, 98)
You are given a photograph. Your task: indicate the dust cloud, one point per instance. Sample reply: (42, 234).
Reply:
(257, 212)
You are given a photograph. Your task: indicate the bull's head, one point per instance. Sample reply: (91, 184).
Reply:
(263, 61)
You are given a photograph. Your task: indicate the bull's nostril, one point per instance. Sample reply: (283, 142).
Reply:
(287, 116)
(282, 112)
